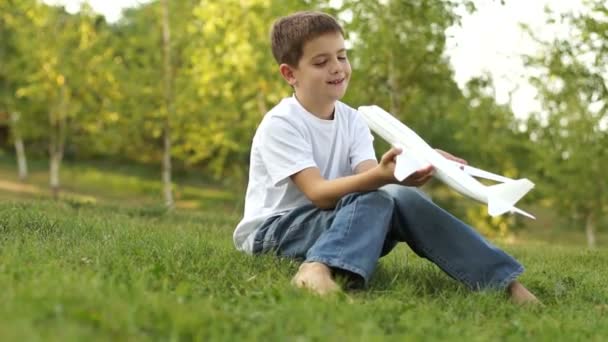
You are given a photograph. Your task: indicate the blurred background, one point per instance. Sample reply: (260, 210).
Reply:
(153, 104)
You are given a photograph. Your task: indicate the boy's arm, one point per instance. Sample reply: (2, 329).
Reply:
(365, 166)
(326, 193)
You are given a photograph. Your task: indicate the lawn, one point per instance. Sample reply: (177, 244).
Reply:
(104, 270)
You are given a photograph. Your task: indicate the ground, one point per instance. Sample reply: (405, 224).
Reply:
(83, 269)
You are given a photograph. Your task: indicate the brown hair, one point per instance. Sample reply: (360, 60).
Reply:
(290, 33)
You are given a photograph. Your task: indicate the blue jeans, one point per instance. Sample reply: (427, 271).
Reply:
(366, 226)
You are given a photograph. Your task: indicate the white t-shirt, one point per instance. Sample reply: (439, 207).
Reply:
(290, 139)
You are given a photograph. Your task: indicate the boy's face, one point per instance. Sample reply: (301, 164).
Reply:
(323, 71)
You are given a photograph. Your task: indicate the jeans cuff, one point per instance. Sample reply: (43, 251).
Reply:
(510, 278)
(343, 266)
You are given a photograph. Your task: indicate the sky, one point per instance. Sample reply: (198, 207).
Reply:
(492, 41)
(488, 41)
(111, 9)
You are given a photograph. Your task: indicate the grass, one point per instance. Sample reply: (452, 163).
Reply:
(112, 183)
(101, 272)
(115, 270)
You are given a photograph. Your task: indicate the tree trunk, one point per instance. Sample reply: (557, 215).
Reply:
(393, 87)
(57, 141)
(590, 231)
(19, 148)
(55, 161)
(167, 186)
(262, 108)
(166, 167)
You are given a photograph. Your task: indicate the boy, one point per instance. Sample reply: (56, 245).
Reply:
(316, 191)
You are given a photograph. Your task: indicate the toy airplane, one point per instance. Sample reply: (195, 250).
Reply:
(417, 154)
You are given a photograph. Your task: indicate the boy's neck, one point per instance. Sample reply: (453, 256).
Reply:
(323, 111)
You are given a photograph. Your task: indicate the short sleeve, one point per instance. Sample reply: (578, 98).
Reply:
(284, 150)
(362, 146)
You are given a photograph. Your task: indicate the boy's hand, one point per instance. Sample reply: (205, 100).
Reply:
(387, 165)
(387, 170)
(451, 157)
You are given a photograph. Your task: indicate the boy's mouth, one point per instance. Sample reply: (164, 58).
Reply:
(336, 82)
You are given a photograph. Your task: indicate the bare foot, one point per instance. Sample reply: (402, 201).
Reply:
(316, 277)
(520, 295)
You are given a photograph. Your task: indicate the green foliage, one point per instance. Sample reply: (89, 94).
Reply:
(16, 21)
(97, 88)
(570, 134)
(398, 51)
(231, 80)
(399, 63)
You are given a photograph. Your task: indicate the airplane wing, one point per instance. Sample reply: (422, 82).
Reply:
(406, 164)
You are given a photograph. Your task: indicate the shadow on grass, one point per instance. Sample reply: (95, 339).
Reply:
(421, 278)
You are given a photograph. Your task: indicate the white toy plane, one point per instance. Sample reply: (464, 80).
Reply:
(417, 154)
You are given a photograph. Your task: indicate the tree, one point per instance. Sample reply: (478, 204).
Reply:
(571, 133)
(11, 21)
(19, 147)
(229, 80)
(398, 49)
(65, 75)
(399, 62)
(169, 107)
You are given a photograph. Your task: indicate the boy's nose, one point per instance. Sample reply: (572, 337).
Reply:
(335, 67)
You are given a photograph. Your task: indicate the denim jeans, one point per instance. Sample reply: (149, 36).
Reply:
(366, 226)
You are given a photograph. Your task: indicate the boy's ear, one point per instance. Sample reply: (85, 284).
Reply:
(287, 71)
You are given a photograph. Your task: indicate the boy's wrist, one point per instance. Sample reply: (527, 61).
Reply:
(381, 177)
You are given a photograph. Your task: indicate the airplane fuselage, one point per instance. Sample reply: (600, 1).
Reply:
(417, 154)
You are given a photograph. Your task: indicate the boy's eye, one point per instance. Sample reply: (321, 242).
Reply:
(342, 58)
(320, 63)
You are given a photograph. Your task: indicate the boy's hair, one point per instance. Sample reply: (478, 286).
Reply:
(290, 33)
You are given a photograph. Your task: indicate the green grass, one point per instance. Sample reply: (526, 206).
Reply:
(113, 182)
(120, 267)
(107, 272)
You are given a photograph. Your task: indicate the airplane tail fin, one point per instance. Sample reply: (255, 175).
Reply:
(524, 213)
(502, 197)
